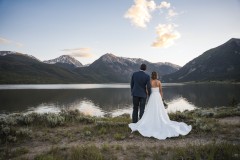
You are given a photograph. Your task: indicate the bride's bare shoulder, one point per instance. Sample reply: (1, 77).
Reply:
(159, 82)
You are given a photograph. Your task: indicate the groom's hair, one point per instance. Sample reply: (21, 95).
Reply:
(143, 67)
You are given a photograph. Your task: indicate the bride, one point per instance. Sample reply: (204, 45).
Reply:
(155, 121)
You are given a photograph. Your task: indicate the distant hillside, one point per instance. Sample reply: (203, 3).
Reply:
(110, 68)
(21, 69)
(218, 64)
(17, 68)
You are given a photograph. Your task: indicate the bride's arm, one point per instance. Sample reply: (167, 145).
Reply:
(160, 89)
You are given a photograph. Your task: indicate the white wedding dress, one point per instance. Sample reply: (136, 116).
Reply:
(155, 121)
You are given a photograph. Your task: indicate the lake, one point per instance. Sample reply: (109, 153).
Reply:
(114, 99)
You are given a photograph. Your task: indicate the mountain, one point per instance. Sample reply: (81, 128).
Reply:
(110, 68)
(65, 61)
(18, 68)
(4, 53)
(217, 64)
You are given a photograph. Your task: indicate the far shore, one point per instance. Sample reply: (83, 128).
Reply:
(124, 83)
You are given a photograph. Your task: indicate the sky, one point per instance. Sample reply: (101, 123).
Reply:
(173, 31)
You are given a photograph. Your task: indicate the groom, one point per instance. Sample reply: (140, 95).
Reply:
(140, 88)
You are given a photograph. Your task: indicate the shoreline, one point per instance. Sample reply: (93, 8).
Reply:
(124, 83)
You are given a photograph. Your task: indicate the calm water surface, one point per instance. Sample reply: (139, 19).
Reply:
(115, 99)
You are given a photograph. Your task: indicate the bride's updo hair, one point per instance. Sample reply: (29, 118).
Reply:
(154, 75)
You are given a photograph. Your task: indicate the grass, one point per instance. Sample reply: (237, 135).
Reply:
(86, 152)
(119, 136)
(210, 151)
(55, 153)
(13, 153)
(109, 137)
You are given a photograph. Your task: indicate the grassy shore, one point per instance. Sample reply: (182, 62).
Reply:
(72, 135)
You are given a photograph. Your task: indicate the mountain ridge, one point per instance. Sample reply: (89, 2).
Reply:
(66, 60)
(221, 63)
(216, 64)
(18, 68)
(4, 53)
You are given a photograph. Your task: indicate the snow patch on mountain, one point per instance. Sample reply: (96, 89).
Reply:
(65, 59)
(5, 53)
(110, 58)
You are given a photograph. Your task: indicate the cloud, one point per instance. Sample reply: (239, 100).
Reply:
(166, 34)
(151, 5)
(164, 4)
(6, 41)
(79, 52)
(139, 13)
(19, 44)
(171, 13)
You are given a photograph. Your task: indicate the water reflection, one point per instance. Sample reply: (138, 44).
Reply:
(105, 98)
(44, 108)
(205, 95)
(88, 108)
(180, 104)
(98, 101)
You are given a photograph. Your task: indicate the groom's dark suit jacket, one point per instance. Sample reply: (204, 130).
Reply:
(140, 80)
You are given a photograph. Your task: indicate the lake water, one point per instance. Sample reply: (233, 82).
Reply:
(114, 99)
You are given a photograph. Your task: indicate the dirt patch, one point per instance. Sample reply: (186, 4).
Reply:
(230, 120)
(133, 143)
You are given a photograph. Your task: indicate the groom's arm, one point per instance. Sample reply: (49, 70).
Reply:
(148, 86)
(132, 83)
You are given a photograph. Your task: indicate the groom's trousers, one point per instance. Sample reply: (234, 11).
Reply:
(138, 102)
